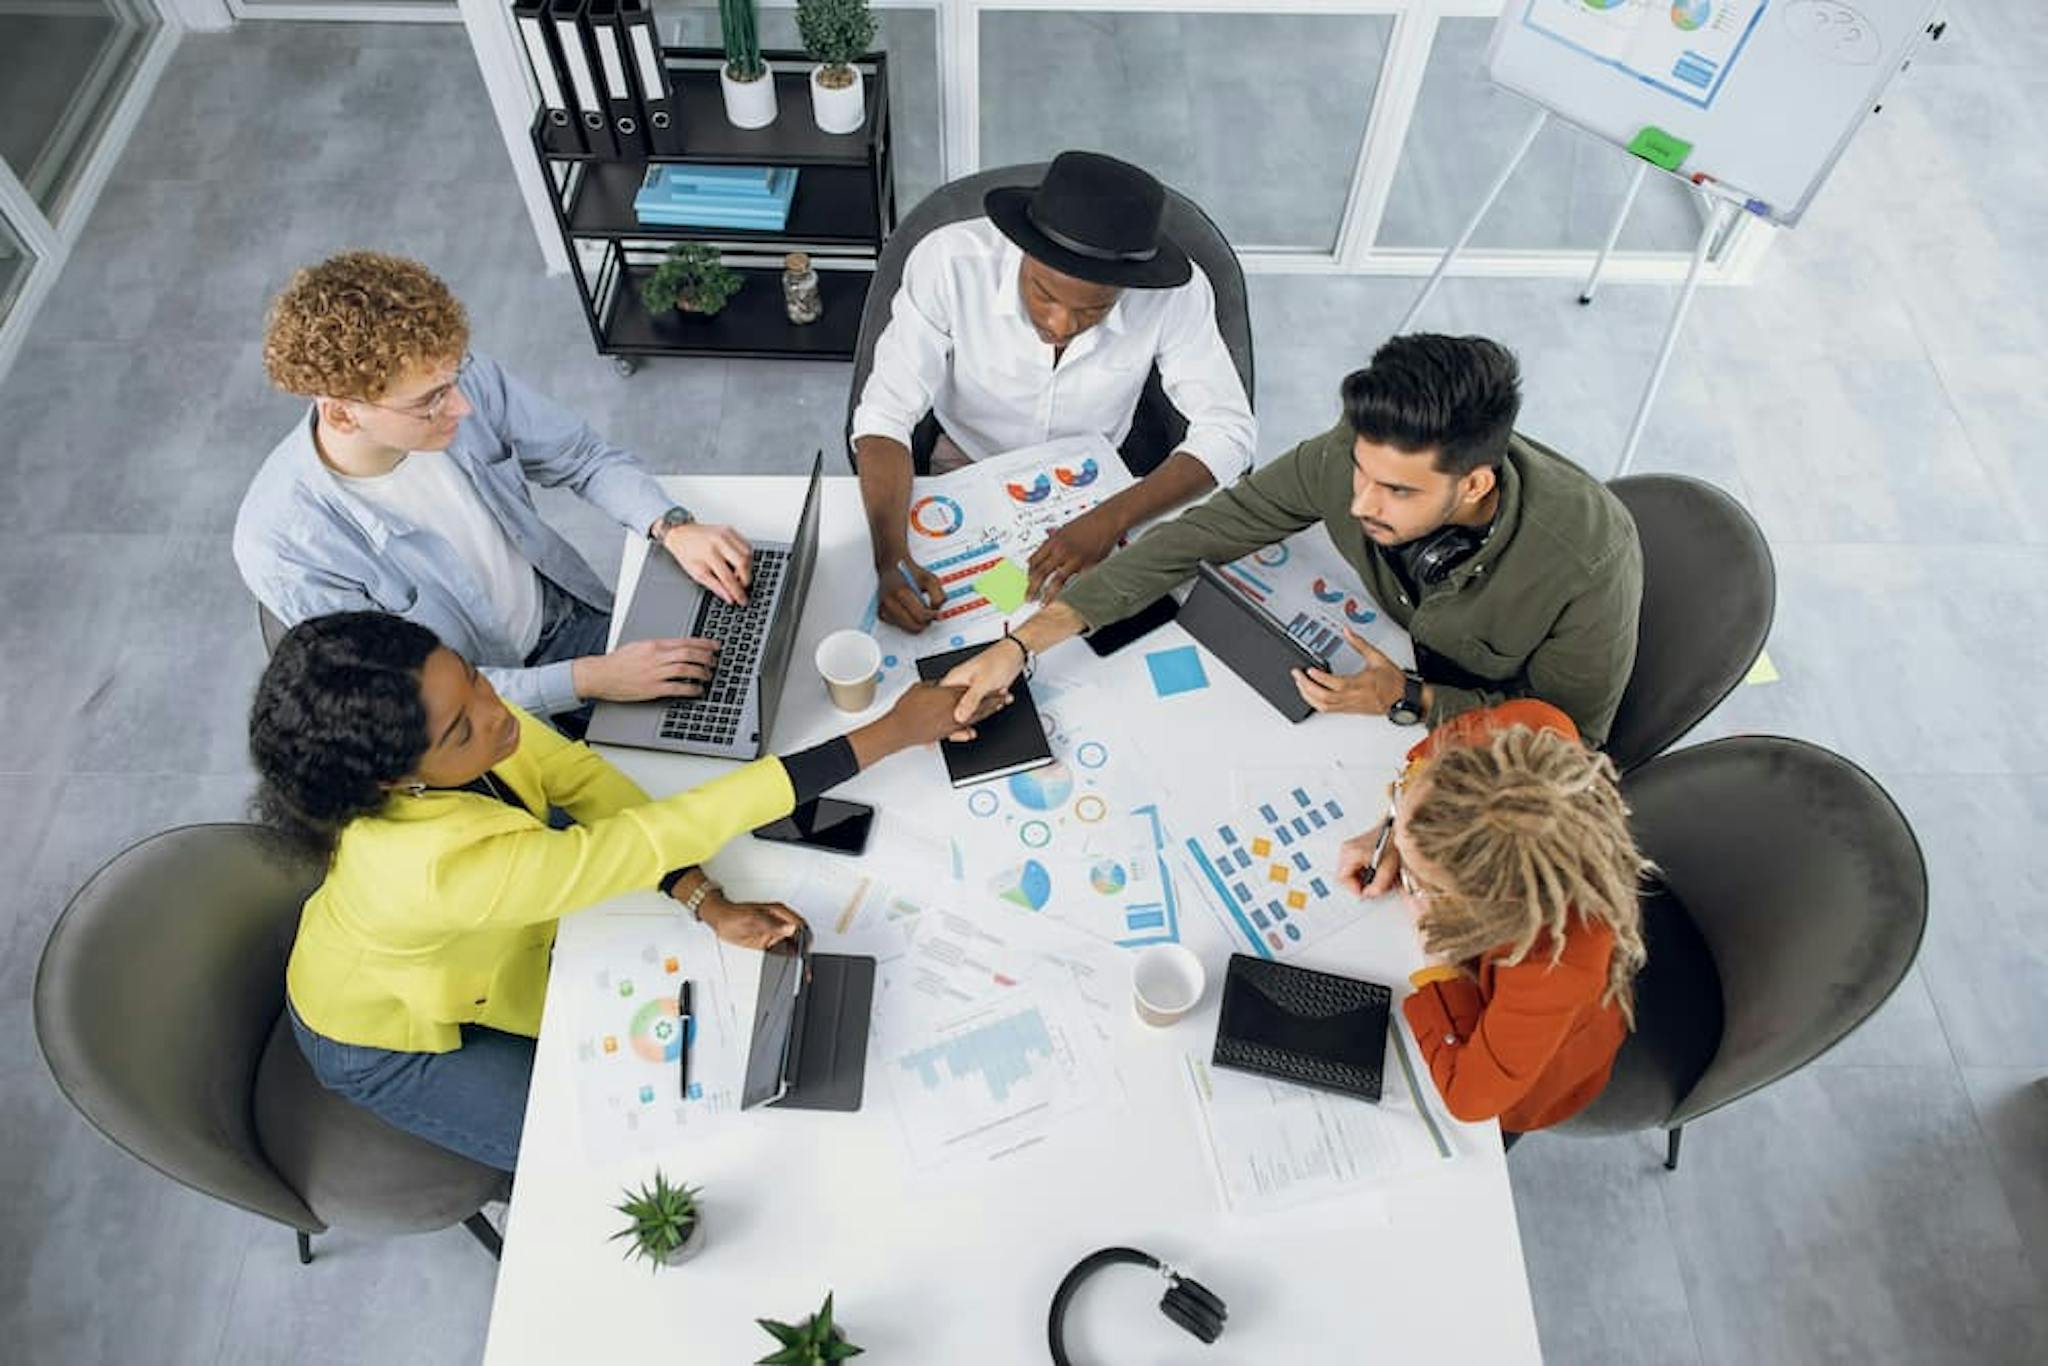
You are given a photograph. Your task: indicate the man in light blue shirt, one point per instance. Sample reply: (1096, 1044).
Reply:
(406, 489)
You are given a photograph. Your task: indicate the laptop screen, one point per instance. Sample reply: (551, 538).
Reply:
(789, 608)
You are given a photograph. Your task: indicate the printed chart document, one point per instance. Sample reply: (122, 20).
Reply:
(630, 1037)
(1685, 48)
(1309, 589)
(1272, 1145)
(1267, 858)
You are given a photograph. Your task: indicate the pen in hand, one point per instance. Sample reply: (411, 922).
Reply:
(1379, 849)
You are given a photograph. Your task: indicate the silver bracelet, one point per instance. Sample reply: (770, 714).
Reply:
(694, 900)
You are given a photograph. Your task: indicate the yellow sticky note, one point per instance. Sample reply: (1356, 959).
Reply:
(1006, 585)
(1262, 846)
(1763, 671)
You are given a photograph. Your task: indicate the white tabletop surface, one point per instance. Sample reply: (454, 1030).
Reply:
(955, 1267)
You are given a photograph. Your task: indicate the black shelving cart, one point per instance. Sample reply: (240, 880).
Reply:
(844, 209)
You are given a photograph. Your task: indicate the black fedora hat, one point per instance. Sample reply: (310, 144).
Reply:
(1094, 218)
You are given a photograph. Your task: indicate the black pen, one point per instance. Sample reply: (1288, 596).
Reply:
(685, 1021)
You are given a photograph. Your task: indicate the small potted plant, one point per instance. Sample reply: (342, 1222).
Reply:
(690, 280)
(837, 33)
(665, 1228)
(744, 80)
(817, 1341)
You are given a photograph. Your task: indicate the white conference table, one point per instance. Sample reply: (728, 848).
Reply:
(956, 1267)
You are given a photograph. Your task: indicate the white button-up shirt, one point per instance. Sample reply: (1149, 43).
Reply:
(959, 343)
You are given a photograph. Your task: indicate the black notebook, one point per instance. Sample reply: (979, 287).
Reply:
(1011, 741)
(1299, 1025)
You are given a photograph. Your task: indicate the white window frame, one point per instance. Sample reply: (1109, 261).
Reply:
(49, 240)
(1355, 250)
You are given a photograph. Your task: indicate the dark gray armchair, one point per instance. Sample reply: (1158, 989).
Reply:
(159, 1005)
(1790, 903)
(1158, 426)
(1709, 593)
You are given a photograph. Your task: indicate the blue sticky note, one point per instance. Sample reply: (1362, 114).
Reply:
(1176, 671)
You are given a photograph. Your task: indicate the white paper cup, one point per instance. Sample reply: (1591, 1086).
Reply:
(1166, 983)
(851, 664)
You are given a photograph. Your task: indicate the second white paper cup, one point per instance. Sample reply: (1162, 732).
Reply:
(851, 664)
(1166, 983)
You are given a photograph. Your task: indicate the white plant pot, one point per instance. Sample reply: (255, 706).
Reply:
(748, 104)
(842, 110)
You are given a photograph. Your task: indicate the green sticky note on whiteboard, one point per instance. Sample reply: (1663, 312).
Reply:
(1005, 585)
(1659, 148)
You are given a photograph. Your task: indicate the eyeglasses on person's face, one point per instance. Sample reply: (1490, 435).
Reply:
(429, 406)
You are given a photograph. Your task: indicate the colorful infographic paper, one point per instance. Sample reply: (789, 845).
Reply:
(1268, 860)
(1309, 589)
(1685, 48)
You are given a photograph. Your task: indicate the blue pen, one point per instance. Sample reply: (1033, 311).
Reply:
(909, 578)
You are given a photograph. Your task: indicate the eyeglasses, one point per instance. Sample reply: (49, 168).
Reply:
(429, 407)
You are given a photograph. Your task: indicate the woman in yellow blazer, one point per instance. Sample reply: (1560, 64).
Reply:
(416, 982)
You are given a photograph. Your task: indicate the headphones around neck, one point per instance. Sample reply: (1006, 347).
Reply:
(1187, 1301)
(1432, 559)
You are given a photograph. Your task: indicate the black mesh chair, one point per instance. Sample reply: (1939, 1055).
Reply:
(1157, 426)
(1709, 593)
(1790, 902)
(159, 1005)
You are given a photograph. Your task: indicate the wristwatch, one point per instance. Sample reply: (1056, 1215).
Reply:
(1407, 708)
(670, 520)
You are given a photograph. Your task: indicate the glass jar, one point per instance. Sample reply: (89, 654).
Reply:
(800, 296)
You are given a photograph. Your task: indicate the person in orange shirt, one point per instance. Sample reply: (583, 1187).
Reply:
(1512, 843)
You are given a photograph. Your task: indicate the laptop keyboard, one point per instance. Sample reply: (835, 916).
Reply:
(715, 717)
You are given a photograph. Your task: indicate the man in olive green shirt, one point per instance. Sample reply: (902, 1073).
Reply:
(1516, 573)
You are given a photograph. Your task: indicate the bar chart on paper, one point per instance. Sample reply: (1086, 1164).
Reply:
(994, 1080)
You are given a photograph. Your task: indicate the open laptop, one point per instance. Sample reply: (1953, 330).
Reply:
(730, 719)
(809, 1046)
(1250, 640)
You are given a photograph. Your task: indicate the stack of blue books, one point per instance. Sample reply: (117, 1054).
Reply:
(755, 198)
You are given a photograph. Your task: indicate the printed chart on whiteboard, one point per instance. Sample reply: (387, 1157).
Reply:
(1685, 48)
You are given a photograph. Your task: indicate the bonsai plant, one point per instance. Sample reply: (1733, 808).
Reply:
(665, 1222)
(744, 80)
(817, 1341)
(690, 279)
(837, 33)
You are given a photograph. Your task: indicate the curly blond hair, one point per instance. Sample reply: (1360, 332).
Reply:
(352, 325)
(1529, 829)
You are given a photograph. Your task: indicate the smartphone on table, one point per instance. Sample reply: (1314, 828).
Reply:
(827, 823)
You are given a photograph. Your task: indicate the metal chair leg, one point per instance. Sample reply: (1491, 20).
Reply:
(1671, 1149)
(481, 1230)
(305, 1247)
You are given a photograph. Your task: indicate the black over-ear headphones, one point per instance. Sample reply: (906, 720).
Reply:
(1442, 551)
(1187, 1301)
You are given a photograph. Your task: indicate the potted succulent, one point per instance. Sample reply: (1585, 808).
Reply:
(837, 33)
(691, 279)
(744, 80)
(817, 1341)
(666, 1227)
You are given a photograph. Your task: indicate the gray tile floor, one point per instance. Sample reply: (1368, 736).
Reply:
(1874, 400)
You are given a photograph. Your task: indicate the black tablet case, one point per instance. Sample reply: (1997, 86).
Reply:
(1011, 741)
(1296, 1024)
(1246, 637)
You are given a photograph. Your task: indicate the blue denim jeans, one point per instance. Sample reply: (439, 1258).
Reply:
(471, 1100)
(570, 628)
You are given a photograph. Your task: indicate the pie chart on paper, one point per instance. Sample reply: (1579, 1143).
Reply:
(1043, 789)
(1691, 15)
(1027, 885)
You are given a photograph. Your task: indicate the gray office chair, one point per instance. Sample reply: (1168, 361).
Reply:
(1157, 427)
(159, 1005)
(1790, 903)
(1709, 592)
(273, 630)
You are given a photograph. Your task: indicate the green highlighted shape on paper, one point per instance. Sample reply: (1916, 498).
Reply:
(1659, 148)
(1006, 585)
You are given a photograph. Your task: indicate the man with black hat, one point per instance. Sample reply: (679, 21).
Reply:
(1045, 319)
